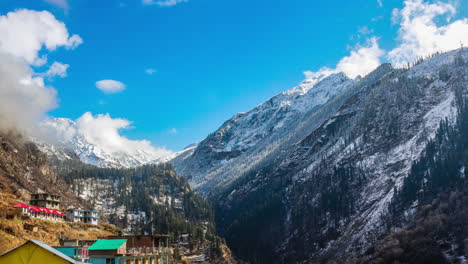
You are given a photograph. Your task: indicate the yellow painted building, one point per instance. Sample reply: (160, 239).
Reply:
(35, 252)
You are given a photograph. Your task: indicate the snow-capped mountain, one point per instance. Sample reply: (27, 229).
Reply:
(65, 140)
(247, 133)
(308, 176)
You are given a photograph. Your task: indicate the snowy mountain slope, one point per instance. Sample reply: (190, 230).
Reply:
(324, 195)
(254, 133)
(69, 143)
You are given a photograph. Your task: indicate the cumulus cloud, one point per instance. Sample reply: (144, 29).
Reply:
(362, 60)
(150, 71)
(110, 86)
(163, 3)
(419, 35)
(57, 69)
(23, 98)
(103, 130)
(59, 3)
(25, 33)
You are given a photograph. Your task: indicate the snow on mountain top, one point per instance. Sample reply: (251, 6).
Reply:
(65, 135)
(429, 66)
(275, 113)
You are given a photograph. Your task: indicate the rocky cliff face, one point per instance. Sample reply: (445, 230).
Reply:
(25, 170)
(315, 184)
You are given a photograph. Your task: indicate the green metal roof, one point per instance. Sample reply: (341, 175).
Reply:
(107, 244)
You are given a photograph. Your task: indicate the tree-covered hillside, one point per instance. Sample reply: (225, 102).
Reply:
(147, 199)
(429, 213)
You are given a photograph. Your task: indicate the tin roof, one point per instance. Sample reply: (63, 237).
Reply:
(107, 244)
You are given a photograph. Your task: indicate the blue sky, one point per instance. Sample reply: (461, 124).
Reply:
(212, 58)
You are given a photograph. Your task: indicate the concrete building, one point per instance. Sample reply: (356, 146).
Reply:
(83, 216)
(46, 200)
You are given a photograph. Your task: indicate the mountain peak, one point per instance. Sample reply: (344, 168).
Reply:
(64, 136)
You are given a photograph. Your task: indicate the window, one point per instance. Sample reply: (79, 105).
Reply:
(110, 261)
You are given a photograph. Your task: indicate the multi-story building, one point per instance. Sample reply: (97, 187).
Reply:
(46, 200)
(84, 216)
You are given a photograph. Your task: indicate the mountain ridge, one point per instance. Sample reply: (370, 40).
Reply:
(334, 171)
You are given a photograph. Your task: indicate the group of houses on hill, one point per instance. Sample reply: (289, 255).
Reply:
(46, 206)
(111, 250)
(145, 249)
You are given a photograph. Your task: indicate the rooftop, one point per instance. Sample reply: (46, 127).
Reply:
(48, 248)
(107, 244)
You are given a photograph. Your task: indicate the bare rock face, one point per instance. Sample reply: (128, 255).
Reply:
(25, 170)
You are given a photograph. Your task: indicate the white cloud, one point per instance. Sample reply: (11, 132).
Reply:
(361, 61)
(379, 2)
(150, 71)
(57, 69)
(419, 35)
(25, 33)
(163, 3)
(173, 130)
(59, 3)
(110, 86)
(104, 131)
(23, 99)
(73, 42)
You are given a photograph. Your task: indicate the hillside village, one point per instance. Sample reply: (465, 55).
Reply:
(28, 229)
(39, 210)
